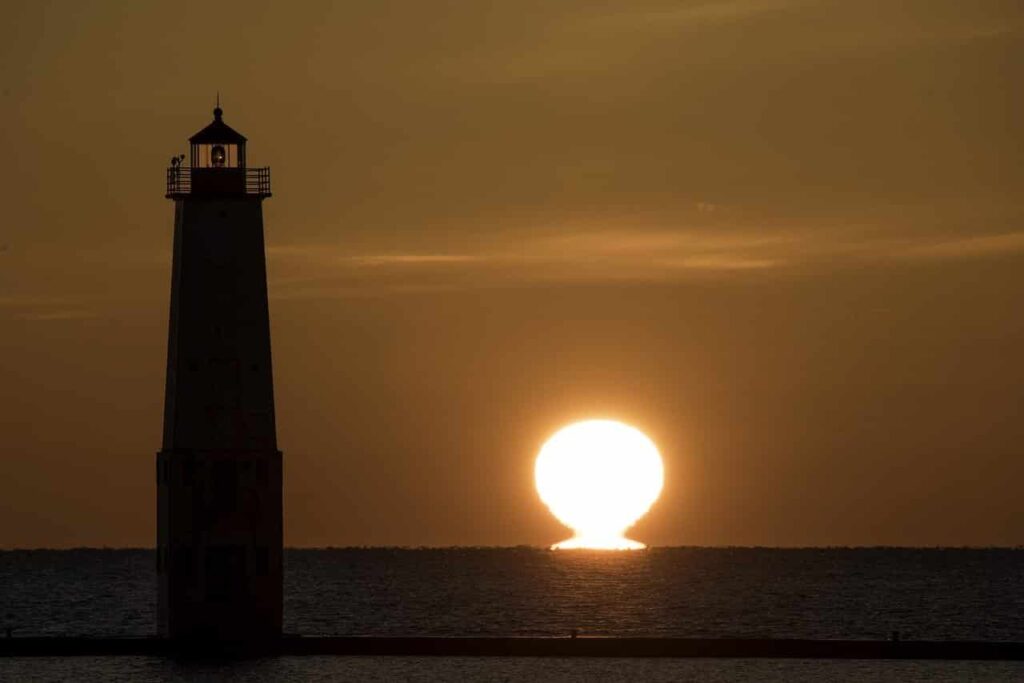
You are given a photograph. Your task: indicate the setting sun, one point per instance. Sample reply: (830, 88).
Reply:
(599, 477)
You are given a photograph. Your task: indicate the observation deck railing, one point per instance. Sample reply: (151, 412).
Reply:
(186, 181)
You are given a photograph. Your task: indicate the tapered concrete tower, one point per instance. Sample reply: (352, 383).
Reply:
(219, 528)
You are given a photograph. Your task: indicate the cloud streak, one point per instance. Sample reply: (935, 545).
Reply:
(614, 256)
(69, 314)
(36, 308)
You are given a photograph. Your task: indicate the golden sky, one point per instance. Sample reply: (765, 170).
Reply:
(784, 238)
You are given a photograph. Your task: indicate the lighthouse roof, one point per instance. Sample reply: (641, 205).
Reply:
(218, 131)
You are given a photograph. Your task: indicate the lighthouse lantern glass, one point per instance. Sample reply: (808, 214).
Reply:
(218, 155)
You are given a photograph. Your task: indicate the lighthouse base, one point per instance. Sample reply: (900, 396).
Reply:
(219, 544)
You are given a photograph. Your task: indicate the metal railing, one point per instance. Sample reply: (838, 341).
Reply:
(185, 181)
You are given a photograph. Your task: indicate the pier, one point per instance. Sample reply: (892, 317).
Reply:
(584, 646)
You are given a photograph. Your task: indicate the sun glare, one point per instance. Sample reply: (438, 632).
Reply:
(598, 478)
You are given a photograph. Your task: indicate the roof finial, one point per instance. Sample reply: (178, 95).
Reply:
(218, 112)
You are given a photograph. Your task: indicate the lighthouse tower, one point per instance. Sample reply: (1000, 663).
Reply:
(219, 532)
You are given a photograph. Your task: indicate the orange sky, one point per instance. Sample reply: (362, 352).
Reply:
(783, 238)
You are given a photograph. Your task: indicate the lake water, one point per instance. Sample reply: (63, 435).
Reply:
(927, 594)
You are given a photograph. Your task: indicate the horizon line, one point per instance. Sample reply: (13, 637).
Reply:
(547, 548)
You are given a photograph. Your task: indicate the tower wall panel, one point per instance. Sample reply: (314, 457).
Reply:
(219, 474)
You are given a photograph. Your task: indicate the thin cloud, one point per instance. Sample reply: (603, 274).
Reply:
(31, 300)
(966, 248)
(31, 307)
(70, 314)
(697, 14)
(723, 262)
(613, 255)
(410, 259)
(510, 259)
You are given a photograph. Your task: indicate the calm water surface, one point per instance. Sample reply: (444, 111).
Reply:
(815, 593)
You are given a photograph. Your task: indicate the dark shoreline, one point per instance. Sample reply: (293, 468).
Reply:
(521, 647)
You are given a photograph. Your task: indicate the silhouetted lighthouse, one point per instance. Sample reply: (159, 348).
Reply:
(219, 472)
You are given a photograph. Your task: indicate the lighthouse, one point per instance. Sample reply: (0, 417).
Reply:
(219, 518)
